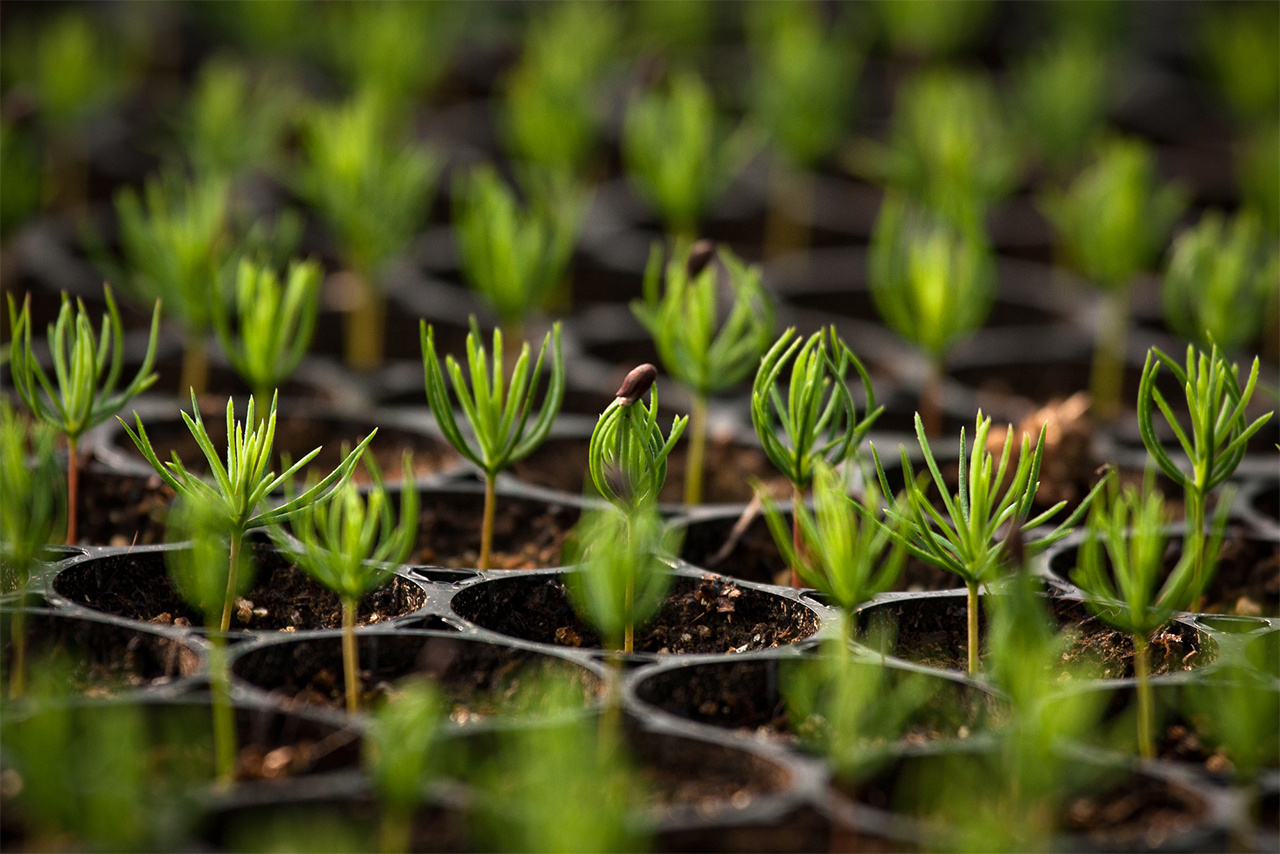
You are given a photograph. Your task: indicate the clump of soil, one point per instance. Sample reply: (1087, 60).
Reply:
(527, 534)
(700, 615)
(137, 586)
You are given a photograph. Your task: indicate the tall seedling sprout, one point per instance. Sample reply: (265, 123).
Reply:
(244, 481)
(398, 751)
(86, 369)
(818, 415)
(962, 537)
(497, 411)
(701, 353)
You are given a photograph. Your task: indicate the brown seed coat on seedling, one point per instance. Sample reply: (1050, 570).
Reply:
(636, 384)
(700, 255)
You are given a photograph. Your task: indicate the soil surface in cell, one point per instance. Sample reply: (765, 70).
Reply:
(527, 534)
(121, 509)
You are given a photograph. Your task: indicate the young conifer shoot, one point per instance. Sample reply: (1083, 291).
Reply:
(86, 369)
(266, 327)
(818, 415)
(346, 542)
(398, 752)
(963, 537)
(697, 348)
(496, 410)
(244, 482)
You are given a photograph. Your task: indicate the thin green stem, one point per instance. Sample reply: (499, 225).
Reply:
(973, 628)
(195, 365)
(1195, 540)
(486, 525)
(1106, 378)
(363, 326)
(797, 537)
(230, 598)
(350, 658)
(1142, 670)
(224, 722)
(396, 830)
(931, 399)
(73, 490)
(697, 450)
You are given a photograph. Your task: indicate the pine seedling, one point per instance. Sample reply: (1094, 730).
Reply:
(1112, 224)
(627, 456)
(819, 417)
(679, 154)
(841, 553)
(174, 239)
(1238, 40)
(1239, 713)
(203, 575)
(396, 52)
(244, 481)
(1220, 276)
(1214, 442)
(933, 283)
(372, 190)
(266, 327)
(930, 29)
(346, 541)
(1120, 568)
(497, 410)
(1257, 173)
(398, 752)
(32, 497)
(86, 369)
(232, 123)
(515, 257)
(700, 350)
(962, 537)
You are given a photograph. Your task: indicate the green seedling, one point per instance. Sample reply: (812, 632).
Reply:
(86, 369)
(266, 327)
(204, 577)
(32, 497)
(1257, 172)
(627, 457)
(552, 112)
(819, 417)
(1113, 223)
(931, 29)
(244, 481)
(963, 537)
(398, 752)
(346, 541)
(232, 124)
(1220, 275)
(1060, 91)
(397, 52)
(1214, 442)
(174, 240)
(1238, 40)
(372, 191)
(697, 348)
(516, 810)
(496, 410)
(20, 175)
(802, 95)
(840, 553)
(933, 284)
(1120, 567)
(949, 147)
(515, 258)
(679, 154)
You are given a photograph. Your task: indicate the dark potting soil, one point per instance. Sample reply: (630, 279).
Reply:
(336, 823)
(729, 470)
(934, 632)
(283, 597)
(121, 509)
(686, 772)
(527, 534)
(706, 615)
(1142, 813)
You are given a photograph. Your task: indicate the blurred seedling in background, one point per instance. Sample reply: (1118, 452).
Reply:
(930, 29)
(1237, 40)
(515, 808)
(86, 369)
(205, 573)
(31, 493)
(244, 482)
(1113, 223)
(371, 187)
(20, 175)
(266, 325)
(1219, 278)
(964, 536)
(818, 415)
(514, 256)
(680, 155)
(174, 239)
(627, 456)
(497, 409)
(1257, 171)
(233, 123)
(802, 94)
(399, 754)
(845, 556)
(701, 350)
(1121, 569)
(1214, 442)
(350, 542)
(949, 147)
(933, 283)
